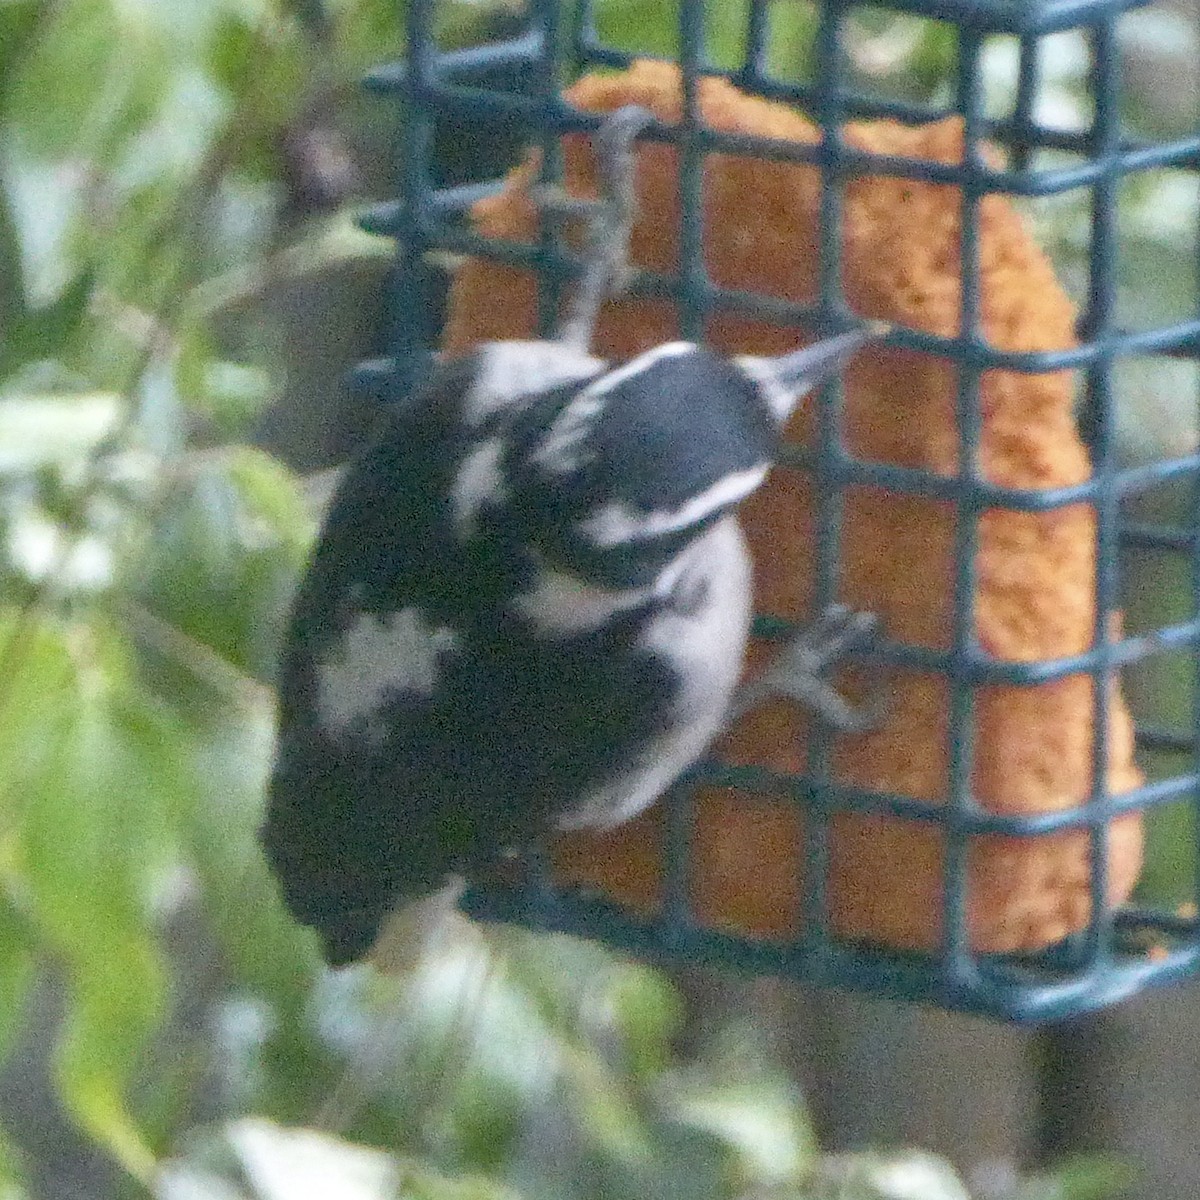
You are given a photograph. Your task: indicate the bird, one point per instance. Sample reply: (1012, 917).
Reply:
(529, 602)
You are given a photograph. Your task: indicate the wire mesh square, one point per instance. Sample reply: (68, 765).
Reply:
(1082, 176)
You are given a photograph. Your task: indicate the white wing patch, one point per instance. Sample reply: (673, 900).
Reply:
(377, 656)
(561, 450)
(560, 604)
(479, 479)
(509, 371)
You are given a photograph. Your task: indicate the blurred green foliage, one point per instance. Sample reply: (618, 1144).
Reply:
(148, 208)
(148, 554)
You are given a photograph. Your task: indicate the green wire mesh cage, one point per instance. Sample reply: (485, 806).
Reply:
(468, 112)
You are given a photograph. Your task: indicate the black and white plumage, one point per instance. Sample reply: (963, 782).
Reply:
(527, 609)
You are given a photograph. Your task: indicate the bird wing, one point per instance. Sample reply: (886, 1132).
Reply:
(357, 798)
(426, 722)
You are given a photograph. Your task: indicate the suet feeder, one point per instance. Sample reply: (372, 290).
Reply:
(981, 847)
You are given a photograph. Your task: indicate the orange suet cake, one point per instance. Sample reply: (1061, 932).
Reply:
(1036, 571)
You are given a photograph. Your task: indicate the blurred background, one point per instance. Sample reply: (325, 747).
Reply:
(183, 291)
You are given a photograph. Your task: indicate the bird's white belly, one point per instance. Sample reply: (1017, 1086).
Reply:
(707, 645)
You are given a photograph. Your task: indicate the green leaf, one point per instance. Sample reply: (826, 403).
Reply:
(171, 146)
(12, 1176)
(725, 32)
(45, 332)
(228, 395)
(368, 32)
(791, 30)
(1087, 1177)
(760, 1120)
(17, 970)
(115, 1004)
(38, 683)
(281, 1164)
(275, 1162)
(649, 27)
(88, 823)
(264, 64)
(272, 956)
(59, 430)
(18, 23)
(221, 567)
(106, 73)
(648, 1014)
(70, 60)
(902, 1175)
(488, 1117)
(44, 211)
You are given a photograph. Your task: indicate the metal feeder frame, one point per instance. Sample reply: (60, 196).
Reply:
(510, 90)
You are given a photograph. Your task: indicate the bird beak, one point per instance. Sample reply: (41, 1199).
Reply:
(784, 380)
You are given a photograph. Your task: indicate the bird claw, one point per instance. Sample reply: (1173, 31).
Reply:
(554, 198)
(796, 672)
(608, 218)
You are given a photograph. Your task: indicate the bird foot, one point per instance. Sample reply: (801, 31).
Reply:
(608, 219)
(796, 672)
